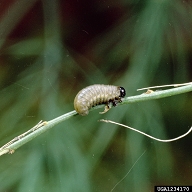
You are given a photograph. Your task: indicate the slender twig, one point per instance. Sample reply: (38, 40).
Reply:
(43, 126)
(147, 135)
(38, 129)
(157, 94)
(162, 86)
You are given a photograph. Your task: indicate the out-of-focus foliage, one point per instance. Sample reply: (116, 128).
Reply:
(49, 50)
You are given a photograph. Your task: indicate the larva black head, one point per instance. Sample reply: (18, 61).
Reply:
(122, 92)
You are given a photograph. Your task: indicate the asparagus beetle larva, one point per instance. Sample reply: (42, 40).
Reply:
(98, 94)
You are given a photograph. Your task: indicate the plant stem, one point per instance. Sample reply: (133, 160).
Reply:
(41, 127)
(157, 94)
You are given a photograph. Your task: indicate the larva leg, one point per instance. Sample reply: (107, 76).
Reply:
(105, 110)
(110, 104)
(116, 101)
(107, 107)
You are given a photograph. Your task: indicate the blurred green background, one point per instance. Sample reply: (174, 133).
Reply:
(50, 49)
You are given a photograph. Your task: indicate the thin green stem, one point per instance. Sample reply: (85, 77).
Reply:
(38, 129)
(43, 126)
(157, 94)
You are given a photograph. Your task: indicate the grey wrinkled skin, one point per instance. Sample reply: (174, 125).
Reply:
(94, 95)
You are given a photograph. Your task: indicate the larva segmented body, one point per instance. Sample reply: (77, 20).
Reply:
(98, 94)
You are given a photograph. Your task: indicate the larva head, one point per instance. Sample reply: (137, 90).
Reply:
(122, 92)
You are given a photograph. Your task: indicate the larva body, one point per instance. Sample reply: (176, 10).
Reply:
(98, 94)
